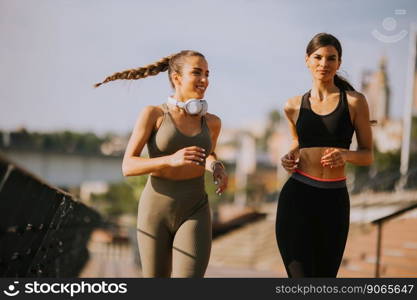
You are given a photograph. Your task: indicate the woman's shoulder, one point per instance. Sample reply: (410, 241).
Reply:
(150, 115)
(294, 101)
(293, 104)
(356, 99)
(212, 118)
(152, 111)
(355, 96)
(213, 121)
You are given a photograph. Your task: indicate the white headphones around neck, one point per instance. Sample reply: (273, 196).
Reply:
(191, 106)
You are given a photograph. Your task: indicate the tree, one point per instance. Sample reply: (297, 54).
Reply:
(121, 198)
(274, 117)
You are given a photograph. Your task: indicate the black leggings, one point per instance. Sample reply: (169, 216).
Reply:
(311, 228)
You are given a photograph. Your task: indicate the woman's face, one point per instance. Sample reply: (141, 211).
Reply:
(193, 81)
(323, 63)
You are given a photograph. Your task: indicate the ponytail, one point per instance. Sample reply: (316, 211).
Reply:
(342, 83)
(171, 63)
(141, 72)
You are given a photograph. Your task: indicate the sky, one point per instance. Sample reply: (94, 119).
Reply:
(53, 51)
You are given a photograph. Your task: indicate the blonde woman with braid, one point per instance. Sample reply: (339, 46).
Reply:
(174, 224)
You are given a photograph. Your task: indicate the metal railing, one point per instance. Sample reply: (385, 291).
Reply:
(379, 223)
(43, 230)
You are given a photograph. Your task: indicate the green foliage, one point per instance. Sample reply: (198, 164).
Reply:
(412, 177)
(413, 144)
(255, 190)
(381, 176)
(387, 167)
(121, 198)
(63, 141)
(274, 117)
(387, 161)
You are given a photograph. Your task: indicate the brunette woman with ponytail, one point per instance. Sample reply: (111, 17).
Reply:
(174, 224)
(313, 209)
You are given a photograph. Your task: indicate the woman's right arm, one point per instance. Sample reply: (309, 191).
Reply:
(289, 160)
(134, 165)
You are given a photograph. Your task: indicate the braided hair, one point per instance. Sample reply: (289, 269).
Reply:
(171, 63)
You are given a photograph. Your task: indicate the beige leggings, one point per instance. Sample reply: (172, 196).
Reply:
(174, 228)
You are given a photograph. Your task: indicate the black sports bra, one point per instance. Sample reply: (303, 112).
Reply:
(331, 130)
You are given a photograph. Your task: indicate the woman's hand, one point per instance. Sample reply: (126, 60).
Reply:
(220, 179)
(290, 160)
(333, 158)
(187, 156)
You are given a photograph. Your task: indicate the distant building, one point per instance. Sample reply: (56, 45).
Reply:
(226, 149)
(278, 145)
(388, 136)
(415, 89)
(247, 162)
(375, 86)
(387, 133)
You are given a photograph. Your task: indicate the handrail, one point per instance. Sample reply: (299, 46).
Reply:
(394, 176)
(394, 214)
(379, 222)
(45, 229)
(13, 165)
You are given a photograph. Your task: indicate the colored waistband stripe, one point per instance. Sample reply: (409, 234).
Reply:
(318, 183)
(320, 179)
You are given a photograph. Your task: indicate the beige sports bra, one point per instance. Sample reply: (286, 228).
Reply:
(167, 139)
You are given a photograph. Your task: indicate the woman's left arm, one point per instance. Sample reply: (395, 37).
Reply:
(212, 163)
(363, 156)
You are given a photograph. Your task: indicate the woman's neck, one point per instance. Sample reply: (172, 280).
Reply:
(322, 89)
(175, 108)
(177, 96)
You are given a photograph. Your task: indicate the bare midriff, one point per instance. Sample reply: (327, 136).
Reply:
(310, 164)
(180, 173)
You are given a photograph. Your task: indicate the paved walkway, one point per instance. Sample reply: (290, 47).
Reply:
(251, 251)
(109, 261)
